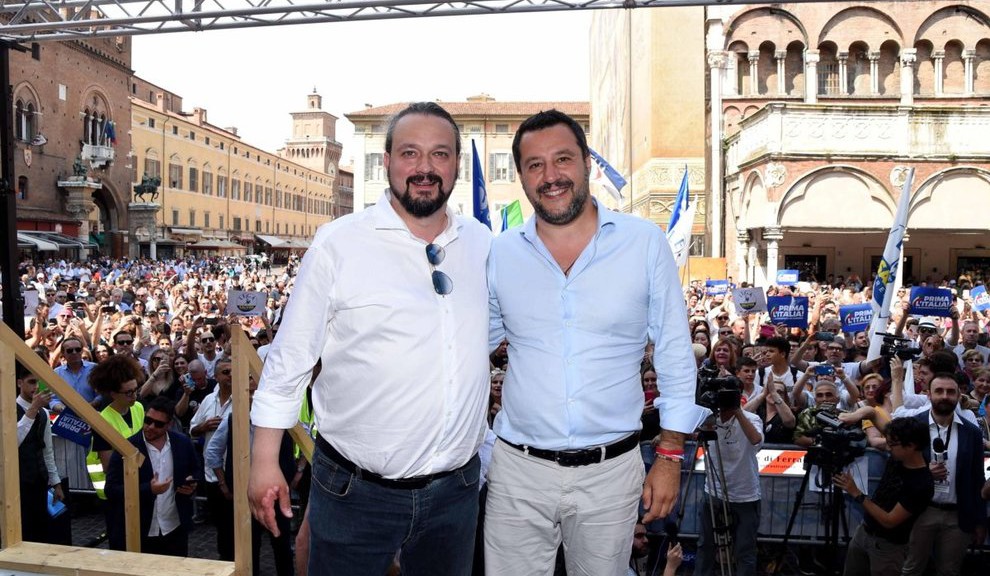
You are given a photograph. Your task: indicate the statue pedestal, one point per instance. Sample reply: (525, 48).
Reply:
(142, 227)
(79, 201)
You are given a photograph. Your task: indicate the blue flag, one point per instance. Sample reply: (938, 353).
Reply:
(479, 194)
(606, 176)
(681, 204)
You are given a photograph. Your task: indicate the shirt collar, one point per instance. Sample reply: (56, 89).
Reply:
(606, 217)
(386, 218)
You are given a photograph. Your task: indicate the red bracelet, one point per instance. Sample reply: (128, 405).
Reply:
(673, 454)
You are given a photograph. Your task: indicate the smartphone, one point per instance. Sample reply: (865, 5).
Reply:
(825, 336)
(210, 321)
(824, 370)
(650, 395)
(107, 310)
(43, 388)
(767, 331)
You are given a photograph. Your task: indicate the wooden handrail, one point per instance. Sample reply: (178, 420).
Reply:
(132, 457)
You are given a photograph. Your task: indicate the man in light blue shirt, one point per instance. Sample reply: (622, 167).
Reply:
(578, 291)
(75, 372)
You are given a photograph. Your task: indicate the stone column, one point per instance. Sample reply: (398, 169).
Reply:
(843, 58)
(939, 57)
(141, 219)
(752, 254)
(773, 235)
(908, 58)
(781, 57)
(968, 56)
(79, 201)
(742, 253)
(811, 58)
(716, 63)
(754, 72)
(874, 72)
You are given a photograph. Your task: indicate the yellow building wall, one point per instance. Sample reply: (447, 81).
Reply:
(294, 200)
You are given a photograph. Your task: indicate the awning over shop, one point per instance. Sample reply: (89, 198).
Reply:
(185, 231)
(60, 240)
(25, 240)
(215, 245)
(273, 241)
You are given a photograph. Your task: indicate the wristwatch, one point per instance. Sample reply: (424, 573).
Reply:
(859, 499)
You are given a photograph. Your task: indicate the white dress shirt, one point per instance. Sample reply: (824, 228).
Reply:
(404, 386)
(48, 454)
(165, 516)
(211, 407)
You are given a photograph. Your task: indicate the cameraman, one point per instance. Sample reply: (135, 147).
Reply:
(879, 546)
(739, 435)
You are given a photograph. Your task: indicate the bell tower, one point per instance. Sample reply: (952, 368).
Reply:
(313, 143)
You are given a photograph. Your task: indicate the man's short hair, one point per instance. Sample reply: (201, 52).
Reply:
(543, 120)
(944, 361)
(779, 343)
(746, 362)
(946, 376)
(425, 109)
(163, 405)
(908, 431)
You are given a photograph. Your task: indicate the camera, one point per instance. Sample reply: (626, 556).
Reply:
(900, 347)
(836, 445)
(717, 393)
(825, 336)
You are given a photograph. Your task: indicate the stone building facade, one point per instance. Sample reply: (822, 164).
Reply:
(70, 103)
(814, 114)
(482, 119)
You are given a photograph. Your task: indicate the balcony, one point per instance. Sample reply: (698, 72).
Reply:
(801, 131)
(97, 156)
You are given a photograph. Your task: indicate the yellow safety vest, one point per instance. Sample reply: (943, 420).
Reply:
(308, 420)
(93, 465)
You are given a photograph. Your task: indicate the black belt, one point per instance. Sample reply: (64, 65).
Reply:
(414, 483)
(948, 507)
(573, 458)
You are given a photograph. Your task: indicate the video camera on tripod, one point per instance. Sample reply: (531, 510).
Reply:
(717, 393)
(896, 346)
(836, 445)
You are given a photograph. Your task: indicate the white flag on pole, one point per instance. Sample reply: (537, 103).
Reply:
(884, 286)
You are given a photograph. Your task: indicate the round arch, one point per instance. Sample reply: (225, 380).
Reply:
(848, 26)
(754, 205)
(869, 202)
(935, 204)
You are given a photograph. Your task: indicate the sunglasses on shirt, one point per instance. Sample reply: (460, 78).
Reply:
(442, 284)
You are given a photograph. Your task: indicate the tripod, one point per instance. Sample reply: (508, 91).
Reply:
(833, 504)
(719, 515)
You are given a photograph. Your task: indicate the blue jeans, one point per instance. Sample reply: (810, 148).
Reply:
(745, 521)
(357, 526)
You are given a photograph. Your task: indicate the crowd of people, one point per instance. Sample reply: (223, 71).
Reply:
(584, 383)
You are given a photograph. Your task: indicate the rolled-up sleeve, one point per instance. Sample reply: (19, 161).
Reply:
(298, 344)
(673, 357)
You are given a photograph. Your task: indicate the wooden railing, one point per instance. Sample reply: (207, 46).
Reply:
(18, 555)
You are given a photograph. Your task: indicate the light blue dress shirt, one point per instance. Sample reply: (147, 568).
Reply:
(79, 381)
(576, 342)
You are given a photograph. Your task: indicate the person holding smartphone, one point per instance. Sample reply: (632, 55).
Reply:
(880, 545)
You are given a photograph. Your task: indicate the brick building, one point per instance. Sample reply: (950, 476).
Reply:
(70, 102)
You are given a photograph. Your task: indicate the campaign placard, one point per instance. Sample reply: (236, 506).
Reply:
(855, 317)
(791, 311)
(73, 428)
(716, 287)
(981, 299)
(749, 300)
(244, 303)
(787, 277)
(931, 301)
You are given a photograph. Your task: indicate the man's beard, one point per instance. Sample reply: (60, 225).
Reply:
(421, 207)
(578, 199)
(944, 407)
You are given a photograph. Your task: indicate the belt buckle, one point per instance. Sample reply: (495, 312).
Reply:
(575, 458)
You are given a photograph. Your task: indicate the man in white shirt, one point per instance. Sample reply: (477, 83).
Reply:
(740, 436)
(36, 457)
(970, 341)
(213, 410)
(394, 301)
